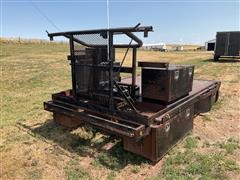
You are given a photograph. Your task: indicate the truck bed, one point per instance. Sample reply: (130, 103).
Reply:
(129, 124)
(149, 109)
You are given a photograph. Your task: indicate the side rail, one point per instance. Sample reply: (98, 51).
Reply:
(202, 102)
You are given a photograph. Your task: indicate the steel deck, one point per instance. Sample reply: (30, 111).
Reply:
(125, 123)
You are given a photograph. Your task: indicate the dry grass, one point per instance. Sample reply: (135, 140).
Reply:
(33, 147)
(27, 41)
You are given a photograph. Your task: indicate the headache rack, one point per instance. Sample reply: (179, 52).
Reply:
(95, 73)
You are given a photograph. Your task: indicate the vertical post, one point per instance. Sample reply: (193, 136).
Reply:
(110, 60)
(134, 61)
(73, 70)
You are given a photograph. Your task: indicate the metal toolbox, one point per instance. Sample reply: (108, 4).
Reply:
(167, 83)
(162, 137)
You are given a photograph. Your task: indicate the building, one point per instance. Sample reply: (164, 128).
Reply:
(210, 45)
(156, 47)
(178, 48)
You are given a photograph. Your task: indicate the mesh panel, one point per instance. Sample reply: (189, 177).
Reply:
(92, 39)
(79, 49)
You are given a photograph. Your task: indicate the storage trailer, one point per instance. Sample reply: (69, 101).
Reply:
(151, 112)
(227, 45)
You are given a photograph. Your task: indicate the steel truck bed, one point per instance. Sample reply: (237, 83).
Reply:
(149, 125)
(152, 130)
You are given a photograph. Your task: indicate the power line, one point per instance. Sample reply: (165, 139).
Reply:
(45, 16)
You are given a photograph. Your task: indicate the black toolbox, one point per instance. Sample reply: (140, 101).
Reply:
(164, 82)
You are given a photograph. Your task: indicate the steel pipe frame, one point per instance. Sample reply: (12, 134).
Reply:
(106, 33)
(115, 31)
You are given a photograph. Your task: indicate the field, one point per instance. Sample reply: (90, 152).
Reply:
(32, 146)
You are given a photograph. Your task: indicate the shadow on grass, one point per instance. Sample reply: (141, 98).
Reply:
(223, 60)
(87, 145)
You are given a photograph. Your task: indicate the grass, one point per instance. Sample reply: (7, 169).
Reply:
(28, 75)
(34, 174)
(117, 158)
(190, 164)
(135, 169)
(31, 72)
(191, 142)
(74, 171)
(230, 145)
(218, 105)
(111, 176)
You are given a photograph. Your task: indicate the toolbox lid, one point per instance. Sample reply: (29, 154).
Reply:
(170, 67)
(161, 65)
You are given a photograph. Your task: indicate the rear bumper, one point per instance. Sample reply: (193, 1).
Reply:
(114, 125)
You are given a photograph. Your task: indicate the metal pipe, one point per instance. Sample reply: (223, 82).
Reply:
(135, 38)
(111, 60)
(112, 30)
(73, 70)
(134, 62)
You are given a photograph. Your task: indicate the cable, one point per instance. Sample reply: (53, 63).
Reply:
(124, 57)
(45, 16)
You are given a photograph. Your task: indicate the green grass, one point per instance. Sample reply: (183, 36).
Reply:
(34, 174)
(207, 118)
(29, 76)
(191, 142)
(230, 145)
(218, 105)
(74, 171)
(112, 175)
(136, 169)
(117, 158)
(190, 164)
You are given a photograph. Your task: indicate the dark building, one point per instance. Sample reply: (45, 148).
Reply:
(210, 45)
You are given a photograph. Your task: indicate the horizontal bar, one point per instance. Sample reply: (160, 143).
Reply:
(95, 120)
(130, 116)
(113, 30)
(106, 67)
(82, 56)
(153, 64)
(125, 69)
(134, 125)
(65, 102)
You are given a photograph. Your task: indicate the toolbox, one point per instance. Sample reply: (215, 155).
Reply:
(166, 83)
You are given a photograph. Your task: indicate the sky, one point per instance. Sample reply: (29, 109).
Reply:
(173, 21)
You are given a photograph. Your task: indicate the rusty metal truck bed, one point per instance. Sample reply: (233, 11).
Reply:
(164, 125)
(150, 116)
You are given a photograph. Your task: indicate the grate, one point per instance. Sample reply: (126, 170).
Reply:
(93, 39)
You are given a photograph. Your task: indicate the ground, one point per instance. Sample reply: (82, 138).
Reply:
(32, 146)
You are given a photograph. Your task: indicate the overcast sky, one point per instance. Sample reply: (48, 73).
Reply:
(175, 21)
